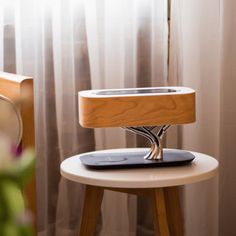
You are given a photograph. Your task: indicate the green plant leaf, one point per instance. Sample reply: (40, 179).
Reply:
(11, 199)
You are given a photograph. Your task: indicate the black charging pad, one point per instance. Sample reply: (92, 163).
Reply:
(116, 160)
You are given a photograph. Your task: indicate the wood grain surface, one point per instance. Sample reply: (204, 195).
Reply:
(136, 110)
(91, 210)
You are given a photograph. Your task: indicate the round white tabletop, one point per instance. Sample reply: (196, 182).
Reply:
(201, 168)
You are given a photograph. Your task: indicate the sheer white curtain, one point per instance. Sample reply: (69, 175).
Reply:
(196, 63)
(204, 58)
(200, 24)
(71, 45)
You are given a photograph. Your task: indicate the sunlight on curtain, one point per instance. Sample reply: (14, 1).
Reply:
(196, 63)
(72, 45)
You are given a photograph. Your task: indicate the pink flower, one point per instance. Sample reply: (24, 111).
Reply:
(16, 150)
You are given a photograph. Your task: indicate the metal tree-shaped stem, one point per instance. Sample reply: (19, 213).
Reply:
(156, 152)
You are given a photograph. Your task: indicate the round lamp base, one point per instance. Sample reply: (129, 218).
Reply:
(118, 160)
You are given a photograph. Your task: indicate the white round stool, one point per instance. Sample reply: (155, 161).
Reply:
(159, 184)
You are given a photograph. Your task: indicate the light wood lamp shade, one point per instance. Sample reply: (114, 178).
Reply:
(136, 107)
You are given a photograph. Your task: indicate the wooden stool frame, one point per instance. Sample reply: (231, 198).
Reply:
(167, 213)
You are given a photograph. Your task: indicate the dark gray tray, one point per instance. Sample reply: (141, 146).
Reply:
(135, 159)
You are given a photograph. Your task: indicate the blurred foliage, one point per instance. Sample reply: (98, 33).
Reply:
(16, 168)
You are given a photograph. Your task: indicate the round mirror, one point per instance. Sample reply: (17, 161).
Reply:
(10, 120)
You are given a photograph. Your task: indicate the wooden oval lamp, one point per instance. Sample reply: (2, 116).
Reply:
(138, 110)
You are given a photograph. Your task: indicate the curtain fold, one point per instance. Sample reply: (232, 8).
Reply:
(227, 191)
(198, 64)
(204, 56)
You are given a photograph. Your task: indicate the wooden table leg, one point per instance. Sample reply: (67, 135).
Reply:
(91, 210)
(173, 209)
(160, 215)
